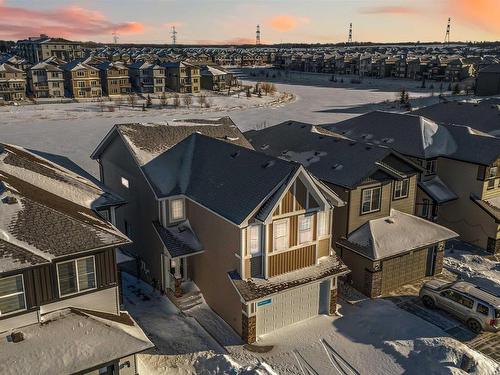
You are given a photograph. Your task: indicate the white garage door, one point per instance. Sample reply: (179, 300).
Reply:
(287, 308)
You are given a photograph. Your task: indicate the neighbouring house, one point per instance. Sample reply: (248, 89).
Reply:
(46, 79)
(114, 78)
(379, 187)
(251, 231)
(147, 77)
(483, 116)
(488, 81)
(182, 77)
(458, 69)
(37, 49)
(59, 289)
(460, 185)
(12, 83)
(81, 81)
(213, 78)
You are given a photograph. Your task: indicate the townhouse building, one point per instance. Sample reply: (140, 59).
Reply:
(46, 79)
(147, 77)
(59, 297)
(182, 77)
(12, 83)
(375, 233)
(114, 78)
(260, 253)
(212, 78)
(38, 49)
(81, 80)
(459, 186)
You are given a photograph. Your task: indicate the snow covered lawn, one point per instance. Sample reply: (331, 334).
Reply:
(474, 266)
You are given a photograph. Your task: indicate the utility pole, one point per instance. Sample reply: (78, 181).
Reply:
(174, 36)
(448, 29)
(349, 40)
(115, 37)
(257, 36)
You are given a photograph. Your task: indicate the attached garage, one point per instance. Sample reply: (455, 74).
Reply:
(405, 269)
(287, 308)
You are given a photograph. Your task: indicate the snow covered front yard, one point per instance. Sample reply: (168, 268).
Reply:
(371, 337)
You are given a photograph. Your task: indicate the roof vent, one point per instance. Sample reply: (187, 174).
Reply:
(264, 147)
(352, 143)
(16, 336)
(268, 164)
(234, 155)
(9, 200)
(390, 220)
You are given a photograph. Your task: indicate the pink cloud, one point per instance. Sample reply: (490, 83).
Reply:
(285, 23)
(233, 41)
(70, 21)
(389, 9)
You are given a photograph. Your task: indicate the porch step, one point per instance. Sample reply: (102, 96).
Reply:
(189, 300)
(191, 305)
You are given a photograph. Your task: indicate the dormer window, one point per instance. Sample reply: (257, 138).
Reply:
(430, 167)
(177, 209)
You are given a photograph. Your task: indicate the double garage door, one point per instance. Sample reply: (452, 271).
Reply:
(287, 308)
(404, 269)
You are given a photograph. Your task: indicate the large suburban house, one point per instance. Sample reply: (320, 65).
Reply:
(460, 185)
(46, 79)
(81, 80)
(59, 297)
(12, 83)
(114, 78)
(213, 78)
(147, 77)
(182, 77)
(379, 187)
(260, 253)
(37, 49)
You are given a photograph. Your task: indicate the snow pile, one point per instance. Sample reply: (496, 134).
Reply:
(441, 355)
(223, 364)
(474, 268)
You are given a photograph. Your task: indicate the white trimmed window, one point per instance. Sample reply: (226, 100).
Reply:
(76, 276)
(401, 189)
(177, 209)
(323, 224)
(280, 234)
(254, 247)
(370, 200)
(305, 229)
(12, 297)
(430, 167)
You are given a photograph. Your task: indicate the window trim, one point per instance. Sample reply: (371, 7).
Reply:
(171, 206)
(380, 200)
(75, 260)
(394, 197)
(275, 223)
(15, 294)
(259, 240)
(311, 228)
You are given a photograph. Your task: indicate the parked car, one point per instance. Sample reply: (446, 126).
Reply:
(477, 307)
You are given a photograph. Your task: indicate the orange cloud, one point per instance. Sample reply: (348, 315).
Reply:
(484, 14)
(223, 42)
(71, 21)
(284, 23)
(389, 9)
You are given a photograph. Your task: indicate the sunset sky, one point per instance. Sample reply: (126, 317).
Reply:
(234, 21)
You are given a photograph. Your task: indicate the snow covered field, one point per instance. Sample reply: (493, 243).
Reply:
(74, 130)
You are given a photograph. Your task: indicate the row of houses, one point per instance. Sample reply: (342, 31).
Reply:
(92, 78)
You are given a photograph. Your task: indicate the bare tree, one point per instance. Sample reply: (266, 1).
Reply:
(188, 100)
(177, 101)
(132, 100)
(163, 99)
(202, 99)
(119, 101)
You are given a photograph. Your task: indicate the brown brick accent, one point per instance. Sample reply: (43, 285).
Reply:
(373, 283)
(333, 301)
(178, 289)
(438, 264)
(248, 328)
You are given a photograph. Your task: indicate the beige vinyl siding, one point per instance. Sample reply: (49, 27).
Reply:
(406, 205)
(324, 247)
(292, 260)
(355, 217)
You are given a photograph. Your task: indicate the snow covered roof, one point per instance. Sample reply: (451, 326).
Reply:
(437, 190)
(45, 212)
(147, 141)
(210, 70)
(70, 341)
(330, 157)
(257, 288)
(420, 137)
(179, 240)
(395, 234)
(491, 206)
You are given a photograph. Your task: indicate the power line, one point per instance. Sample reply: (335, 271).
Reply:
(174, 36)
